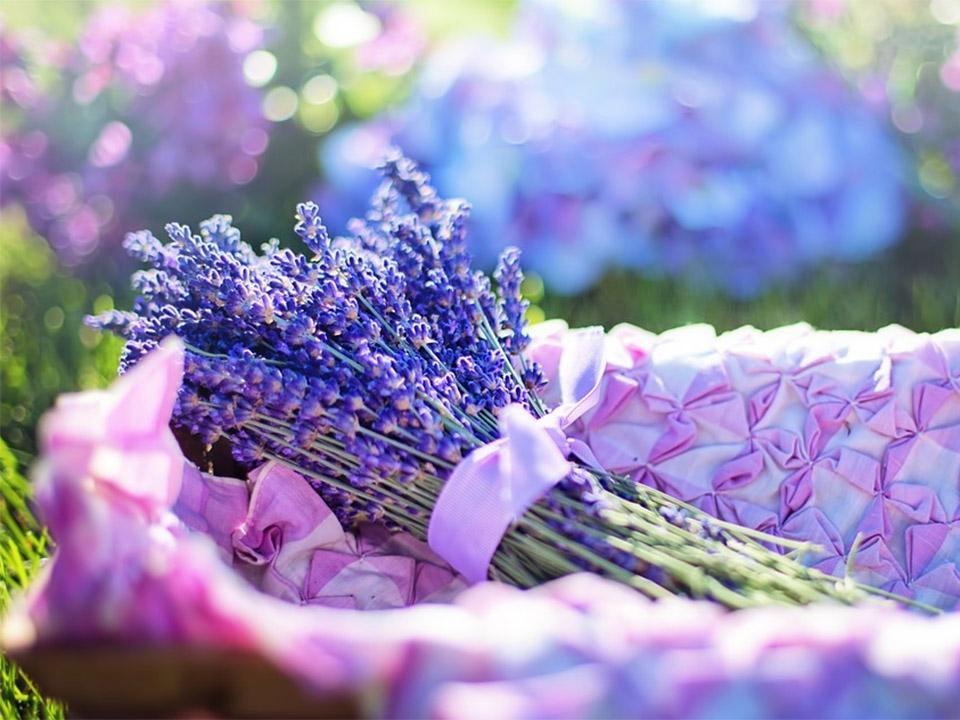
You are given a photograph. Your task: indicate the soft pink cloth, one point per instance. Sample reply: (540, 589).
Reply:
(274, 528)
(499, 482)
(127, 570)
(277, 532)
(809, 435)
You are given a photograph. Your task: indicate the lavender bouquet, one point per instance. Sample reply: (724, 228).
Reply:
(392, 376)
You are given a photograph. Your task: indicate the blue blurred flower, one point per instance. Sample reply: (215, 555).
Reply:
(662, 137)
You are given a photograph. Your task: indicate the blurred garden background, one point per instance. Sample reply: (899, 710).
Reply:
(657, 162)
(721, 161)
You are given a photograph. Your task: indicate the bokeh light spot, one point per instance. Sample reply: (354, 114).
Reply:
(950, 72)
(946, 11)
(89, 337)
(319, 118)
(254, 141)
(936, 177)
(53, 318)
(61, 194)
(344, 24)
(907, 118)
(103, 303)
(259, 67)
(532, 287)
(111, 146)
(319, 89)
(242, 170)
(535, 315)
(103, 207)
(280, 104)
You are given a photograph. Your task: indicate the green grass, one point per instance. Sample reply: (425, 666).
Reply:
(22, 546)
(916, 284)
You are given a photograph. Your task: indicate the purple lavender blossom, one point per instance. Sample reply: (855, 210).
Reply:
(351, 342)
(512, 306)
(656, 137)
(376, 367)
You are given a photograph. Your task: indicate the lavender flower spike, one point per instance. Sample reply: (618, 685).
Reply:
(390, 374)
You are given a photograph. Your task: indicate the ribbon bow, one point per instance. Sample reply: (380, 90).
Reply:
(495, 484)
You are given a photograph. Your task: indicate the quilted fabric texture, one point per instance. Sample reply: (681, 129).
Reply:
(126, 572)
(276, 531)
(804, 434)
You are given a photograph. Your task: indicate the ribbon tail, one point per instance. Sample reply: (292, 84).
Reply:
(580, 450)
(490, 489)
(581, 369)
(494, 485)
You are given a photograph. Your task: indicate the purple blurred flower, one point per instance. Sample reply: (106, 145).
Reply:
(399, 44)
(652, 136)
(151, 100)
(182, 63)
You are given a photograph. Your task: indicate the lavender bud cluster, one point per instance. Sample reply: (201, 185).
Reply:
(378, 361)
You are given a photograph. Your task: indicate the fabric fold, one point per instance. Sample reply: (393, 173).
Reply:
(494, 485)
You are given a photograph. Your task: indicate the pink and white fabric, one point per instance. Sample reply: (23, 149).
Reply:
(273, 529)
(808, 435)
(126, 571)
(276, 531)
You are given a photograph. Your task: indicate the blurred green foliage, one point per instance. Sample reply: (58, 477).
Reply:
(916, 284)
(22, 545)
(59, 18)
(44, 347)
(897, 49)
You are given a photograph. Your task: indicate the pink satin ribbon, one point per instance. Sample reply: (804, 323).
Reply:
(494, 485)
